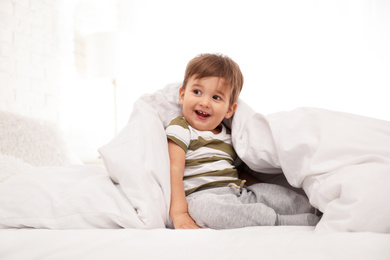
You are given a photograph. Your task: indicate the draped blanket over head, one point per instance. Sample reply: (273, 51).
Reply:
(342, 162)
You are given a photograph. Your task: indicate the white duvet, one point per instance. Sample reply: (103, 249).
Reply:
(342, 162)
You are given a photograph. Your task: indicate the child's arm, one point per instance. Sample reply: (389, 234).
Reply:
(179, 208)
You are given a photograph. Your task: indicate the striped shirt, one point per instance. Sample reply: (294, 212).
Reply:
(209, 156)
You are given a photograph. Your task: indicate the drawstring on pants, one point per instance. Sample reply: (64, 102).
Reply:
(234, 186)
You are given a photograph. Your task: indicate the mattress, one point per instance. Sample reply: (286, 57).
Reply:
(284, 242)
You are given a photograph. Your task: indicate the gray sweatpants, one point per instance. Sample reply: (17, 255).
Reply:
(260, 204)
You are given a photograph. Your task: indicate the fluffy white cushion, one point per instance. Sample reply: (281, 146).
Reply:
(34, 141)
(10, 166)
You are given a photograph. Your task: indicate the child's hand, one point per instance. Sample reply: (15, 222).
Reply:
(184, 221)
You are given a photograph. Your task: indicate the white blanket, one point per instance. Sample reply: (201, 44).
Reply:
(342, 161)
(68, 197)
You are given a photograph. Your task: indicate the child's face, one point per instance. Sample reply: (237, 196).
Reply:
(205, 102)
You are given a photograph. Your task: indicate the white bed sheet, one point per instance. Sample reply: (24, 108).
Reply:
(285, 242)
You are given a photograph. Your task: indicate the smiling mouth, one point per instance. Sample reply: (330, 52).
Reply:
(201, 114)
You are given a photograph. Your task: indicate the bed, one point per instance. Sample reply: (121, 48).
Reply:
(53, 208)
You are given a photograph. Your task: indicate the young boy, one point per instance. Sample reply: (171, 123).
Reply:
(205, 188)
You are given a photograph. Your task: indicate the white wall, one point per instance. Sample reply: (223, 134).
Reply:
(42, 68)
(33, 44)
(332, 54)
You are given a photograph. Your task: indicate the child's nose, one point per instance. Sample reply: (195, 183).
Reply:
(205, 102)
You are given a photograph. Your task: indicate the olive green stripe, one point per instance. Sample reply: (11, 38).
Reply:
(195, 162)
(180, 121)
(228, 172)
(213, 184)
(178, 142)
(213, 144)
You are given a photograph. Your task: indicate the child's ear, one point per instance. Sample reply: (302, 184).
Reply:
(231, 111)
(181, 95)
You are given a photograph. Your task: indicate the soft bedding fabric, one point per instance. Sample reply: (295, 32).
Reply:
(266, 243)
(10, 166)
(138, 158)
(72, 197)
(342, 161)
(36, 142)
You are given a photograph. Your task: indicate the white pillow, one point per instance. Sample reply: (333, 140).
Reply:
(37, 142)
(10, 166)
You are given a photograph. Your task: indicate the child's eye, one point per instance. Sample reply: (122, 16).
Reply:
(197, 92)
(217, 97)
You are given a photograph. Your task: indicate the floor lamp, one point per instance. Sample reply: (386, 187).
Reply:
(102, 53)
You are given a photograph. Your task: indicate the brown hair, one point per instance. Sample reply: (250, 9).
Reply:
(216, 65)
